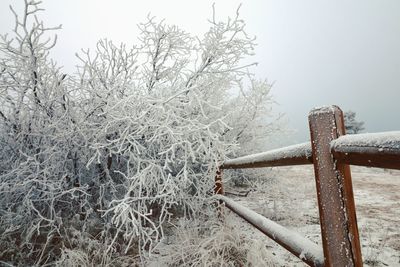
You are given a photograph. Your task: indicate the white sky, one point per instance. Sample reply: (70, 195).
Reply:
(317, 52)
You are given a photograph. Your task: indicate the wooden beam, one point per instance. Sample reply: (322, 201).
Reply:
(336, 205)
(292, 155)
(301, 247)
(372, 150)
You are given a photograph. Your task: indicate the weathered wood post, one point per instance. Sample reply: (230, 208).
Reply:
(337, 212)
(219, 190)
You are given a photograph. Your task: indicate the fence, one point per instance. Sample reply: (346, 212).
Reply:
(331, 152)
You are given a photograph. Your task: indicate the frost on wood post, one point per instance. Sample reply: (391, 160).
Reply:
(94, 164)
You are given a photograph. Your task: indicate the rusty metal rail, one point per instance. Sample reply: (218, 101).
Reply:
(330, 152)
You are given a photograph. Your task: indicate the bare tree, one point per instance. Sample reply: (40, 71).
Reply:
(94, 164)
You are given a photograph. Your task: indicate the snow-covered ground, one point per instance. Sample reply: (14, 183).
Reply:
(287, 195)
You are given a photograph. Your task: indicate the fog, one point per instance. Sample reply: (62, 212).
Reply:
(316, 52)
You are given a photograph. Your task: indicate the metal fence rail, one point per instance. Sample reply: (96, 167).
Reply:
(330, 151)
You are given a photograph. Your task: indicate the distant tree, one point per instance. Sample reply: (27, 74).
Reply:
(351, 124)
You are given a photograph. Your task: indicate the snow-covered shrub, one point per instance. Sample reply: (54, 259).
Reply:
(118, 149)
(209, 243)
(215, 242)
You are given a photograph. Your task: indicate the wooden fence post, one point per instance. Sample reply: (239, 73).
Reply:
(219, 189)
(337, 213)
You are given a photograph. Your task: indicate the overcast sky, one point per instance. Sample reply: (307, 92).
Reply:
(317, 52)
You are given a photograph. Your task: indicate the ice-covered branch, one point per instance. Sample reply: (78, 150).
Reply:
(124, 146)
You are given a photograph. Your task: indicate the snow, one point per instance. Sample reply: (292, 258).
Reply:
(302, 150)
(382, 141)
(322, 109)
(302, 247)
(288, 195)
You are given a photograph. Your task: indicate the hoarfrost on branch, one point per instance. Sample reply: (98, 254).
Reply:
(100, 160)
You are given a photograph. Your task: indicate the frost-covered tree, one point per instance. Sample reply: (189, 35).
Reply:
(95, 164)
(351, 124)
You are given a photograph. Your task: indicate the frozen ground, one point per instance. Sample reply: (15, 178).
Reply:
(287, 195)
